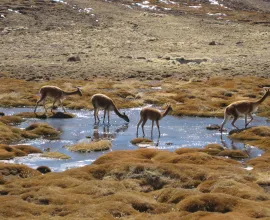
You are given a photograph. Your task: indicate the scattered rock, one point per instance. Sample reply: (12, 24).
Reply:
(228, 94)
(213, 127)
(44, 169)
(62, 115)
(74, 59)
(2, 114)
(213, 43)
(184, 61)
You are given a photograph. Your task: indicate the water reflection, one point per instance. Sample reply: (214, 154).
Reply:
(103, 131)
(234, 145)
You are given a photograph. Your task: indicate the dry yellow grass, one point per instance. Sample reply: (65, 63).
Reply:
(9, 152)
(140, 184)
(11, 120)
(200, 98)
(43, 129)
(137, 141)
(9, 134)
(56, 155)
(100, 145)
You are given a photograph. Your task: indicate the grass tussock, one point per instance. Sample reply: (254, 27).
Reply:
(55, 155)
(137, 141)
(100, 145)
(252, 133)
(9, 171)
(11, 120)
(32, 115)
(208, 203)
(43, 129)
(9, 152)
(137, 184)
(236, 154)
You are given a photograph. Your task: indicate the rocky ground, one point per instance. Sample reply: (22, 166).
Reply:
(43, 40)
(198, 55)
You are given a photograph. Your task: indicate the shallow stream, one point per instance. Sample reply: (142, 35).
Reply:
(176, 132)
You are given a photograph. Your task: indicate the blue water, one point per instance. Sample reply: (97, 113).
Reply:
(176, 132)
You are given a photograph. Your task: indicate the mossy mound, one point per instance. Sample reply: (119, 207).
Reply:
(213, 149)
(259, 137)
(63, 115)
(10, 134)
(11, 120)
(8, 171)
(55, 155)
(142, 142)
(9, 152)
(140, 184)
(32, 115)
(236, 154)
(101, 145)
(43, 129)
(252, 133)
(231, 187)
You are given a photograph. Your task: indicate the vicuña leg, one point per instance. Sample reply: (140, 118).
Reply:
(62, 105)
(143, 127)
(141, 120)
(235, 117)
(157, 122)
(42, 98)
(251, 118)
(152, 128)
(105, 110)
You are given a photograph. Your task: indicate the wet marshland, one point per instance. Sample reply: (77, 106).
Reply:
(175, 133)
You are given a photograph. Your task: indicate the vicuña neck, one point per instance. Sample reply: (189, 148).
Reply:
(165, 112)
(262, 98)
(70, 93)
(117, 111)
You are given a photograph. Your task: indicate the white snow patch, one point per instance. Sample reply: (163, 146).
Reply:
(195, 6)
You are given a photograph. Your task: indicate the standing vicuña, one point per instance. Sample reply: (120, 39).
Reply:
(242, 108)
(56, 93)
(154, 115)
(101, 101)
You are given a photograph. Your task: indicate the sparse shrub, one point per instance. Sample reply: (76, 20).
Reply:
(100, 145)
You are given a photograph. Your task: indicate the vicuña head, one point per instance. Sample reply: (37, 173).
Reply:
(245, 108)
(101, 101)
(79, 91)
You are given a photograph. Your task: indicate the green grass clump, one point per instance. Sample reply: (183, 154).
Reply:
(101, 145)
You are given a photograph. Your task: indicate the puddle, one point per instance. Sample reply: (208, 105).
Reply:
(175, 133)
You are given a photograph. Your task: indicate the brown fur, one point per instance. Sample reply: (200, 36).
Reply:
(101, 101)
(242, 108)
(153, 115)
(56, 93)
